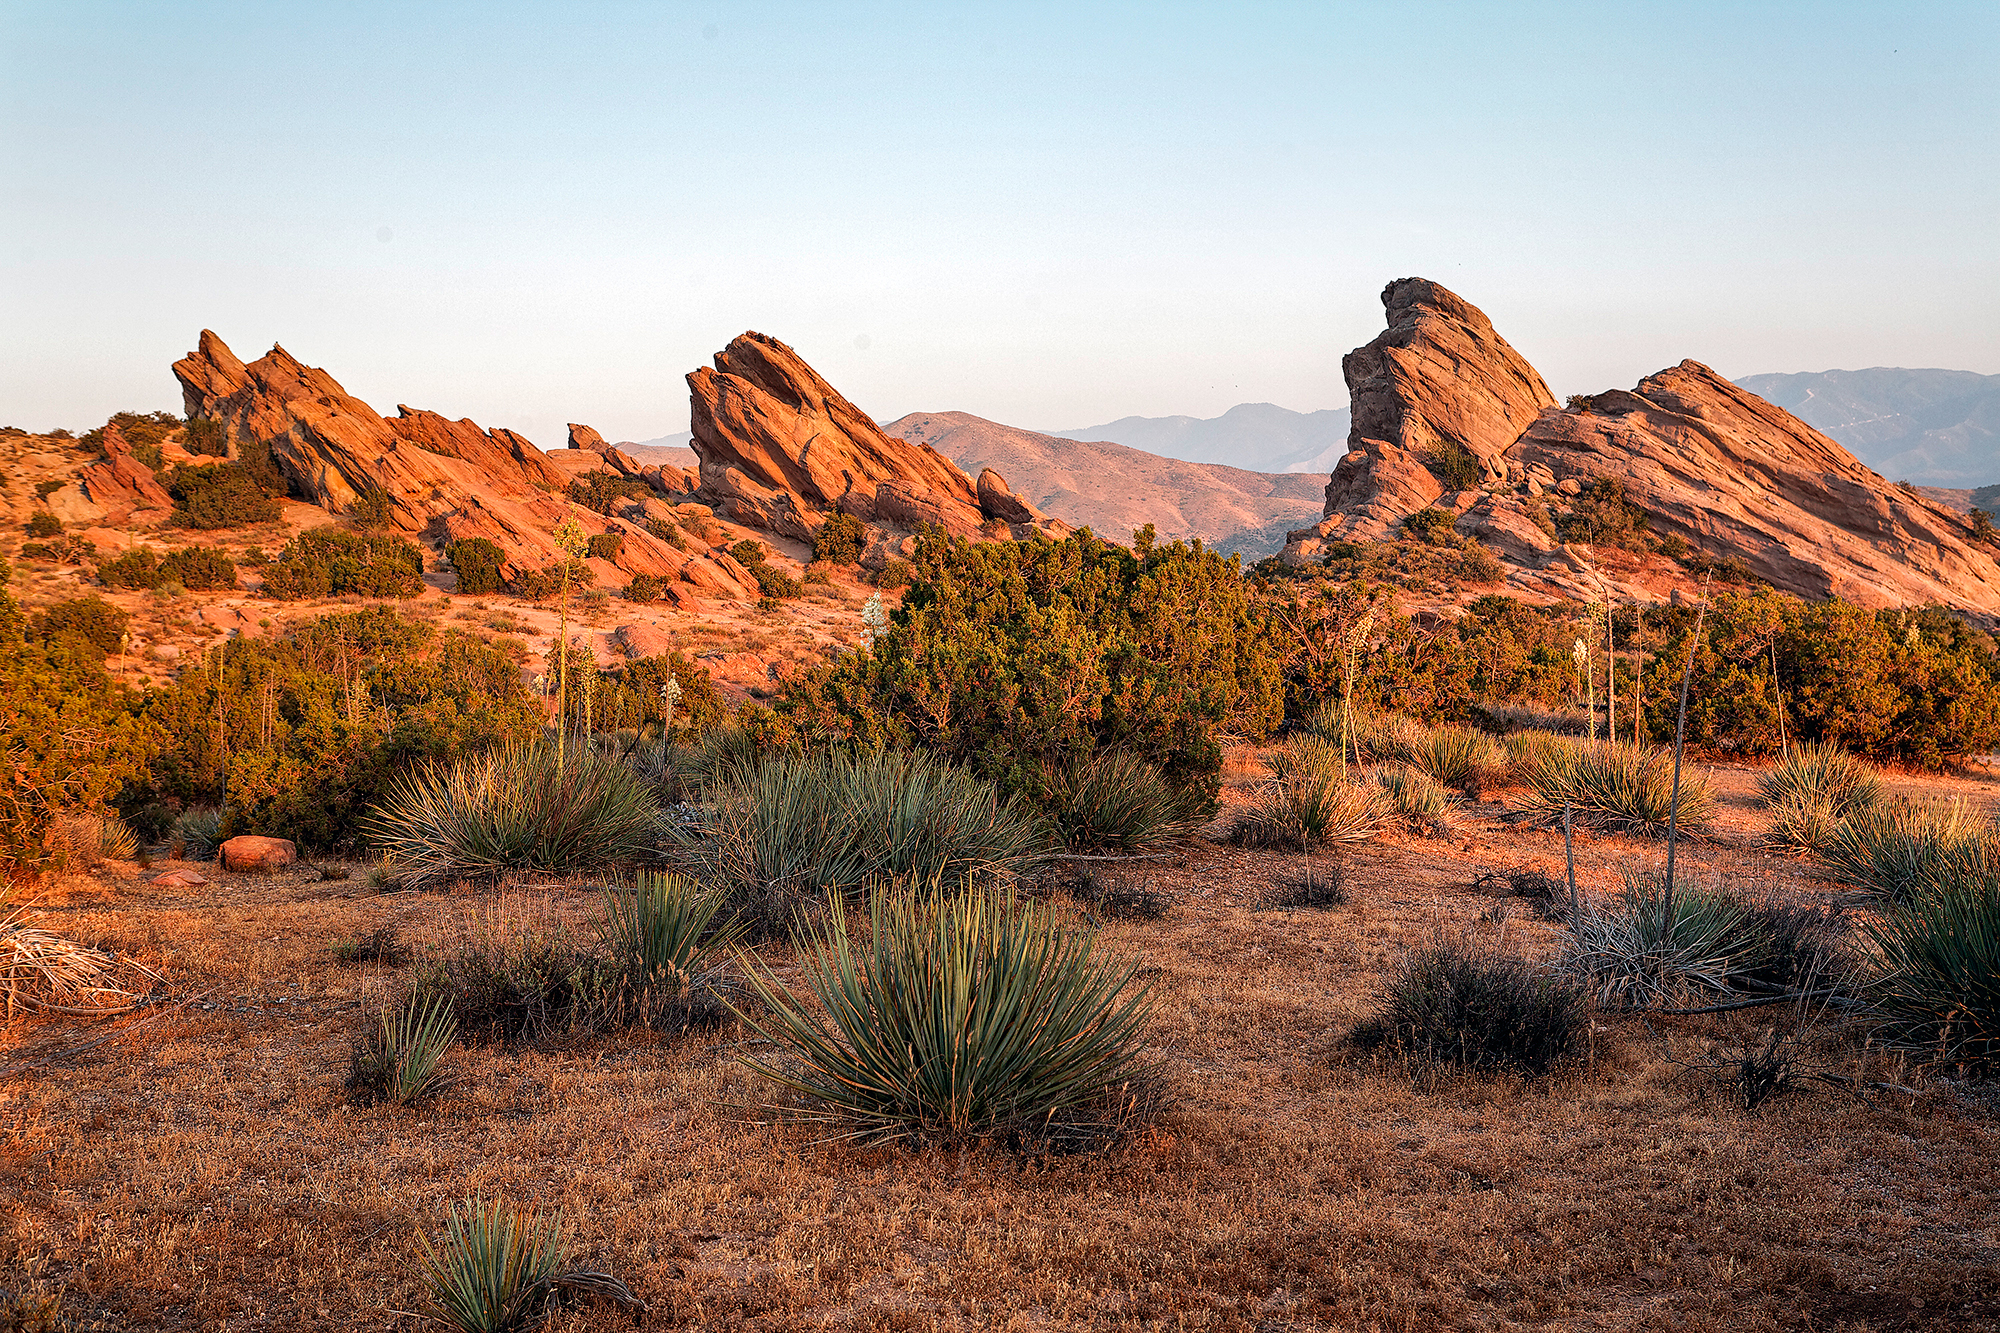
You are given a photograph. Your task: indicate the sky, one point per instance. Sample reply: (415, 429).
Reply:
(1048, 215)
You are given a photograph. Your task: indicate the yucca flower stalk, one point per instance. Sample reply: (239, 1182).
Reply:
(964, 1015)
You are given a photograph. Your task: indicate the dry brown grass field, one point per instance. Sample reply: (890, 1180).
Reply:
(195, 1164)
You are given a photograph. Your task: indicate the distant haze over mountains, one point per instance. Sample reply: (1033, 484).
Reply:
(1932, 427)
(1258, 437)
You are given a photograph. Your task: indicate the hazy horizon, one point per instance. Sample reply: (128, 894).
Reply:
(530, 215)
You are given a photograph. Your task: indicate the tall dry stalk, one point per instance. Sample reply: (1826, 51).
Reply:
(572, 541)
(1356, 635)
(1680, 736)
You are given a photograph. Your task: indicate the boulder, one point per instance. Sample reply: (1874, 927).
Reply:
(249, 854)
(997, 500)
(182, 878)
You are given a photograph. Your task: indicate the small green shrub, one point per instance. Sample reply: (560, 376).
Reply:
(1821, 773)
(1901, 849)
(1433, 527)
(517, 807)
(1600, 515)
(1454, 465)
(500, 1267)
(137, 568)
(331, 561)
(539, 585)
(1937, 987)
(840, 540)
(603, 491)
(205, 436)
(220, 495)
(398, 1061)
(1115, 799)
(477, 564)
(964, 1016)
(203, 568)
(90, 623)
(667, 531)
(198, 829)
(44, 524)
(1417, 798)
(1810, 824)
(644, 588)
(662, 937)
(372, 508)
(894, 574)
(1448, 1002)
(1612, 785)
(606, 545)
(775, 583)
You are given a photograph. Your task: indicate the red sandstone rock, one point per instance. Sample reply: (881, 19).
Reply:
(249, 854)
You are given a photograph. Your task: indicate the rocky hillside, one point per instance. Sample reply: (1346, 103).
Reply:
(1932, 427)
(781, 451)
(1114, 490)
(1448, 415)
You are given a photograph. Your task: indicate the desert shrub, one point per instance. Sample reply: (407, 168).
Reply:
(308, 727)
(1008, 656)
(1937, 986)
(1600, 515)
(377, 946)
(88, 839)
(398, 1061)
(775, 583)
(1321, 885)
(1633, 952)
(221, 495)
(539, 585)
(1451, 755)
(662, 938)
(1453, 464)
(1312, 807)
(666, 531)
(637, 694)
(602, 491)
(372, 508)
(1434, 527)
(1901, 849)
(1914, 686)
(1803, 824)
(840, 540)
(1823, 774)
(1611, 785)
(793, 827)
(142, 430)
(1115, 799)
(44, 524)
(198, 830)
(1451, 1003)
(499, 1268)
(894, 574)
(205, 436)
(203, 568)
(1416, 797)
(963, 1016)
(643, 588)
(606, 545)
(518, 807)
(331, 561)
(91, 624)
(43, 490)
(477, 564)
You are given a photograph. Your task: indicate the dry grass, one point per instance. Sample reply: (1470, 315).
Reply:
(207, 1173)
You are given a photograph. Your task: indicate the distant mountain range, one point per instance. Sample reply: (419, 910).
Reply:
(1115, 490)
(1929, 427)
(1258, 437)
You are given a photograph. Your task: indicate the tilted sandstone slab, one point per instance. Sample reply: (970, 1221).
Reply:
(781, 450)
(445, 479)
(1730, 472)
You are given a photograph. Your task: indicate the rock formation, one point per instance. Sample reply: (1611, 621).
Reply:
(121, 486)
(781, 450)
(666, 479)
(1704, 459)
(445, 479)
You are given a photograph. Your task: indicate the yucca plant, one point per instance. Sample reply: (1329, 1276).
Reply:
(1458, 757)
(1820, 774)
(964, 1015)
(1900, 849)
(398, 1061)
(1643, 950)
(519, 807)
(198, 829)
(918, 818)
(1416, 796)
(1116, 800)
(1937, 991)
(1611, 785)
(1452, 1002)
(1309, 812)
(663, 938)
(1803, 824)
(499, 1266)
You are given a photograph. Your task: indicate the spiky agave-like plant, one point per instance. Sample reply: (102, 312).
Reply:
(964, 1015)
(1902, 849)
(1937, 991)
(398, 1062)
(1611, 785)
(663, 939)
(1645, 949)
(1115, 799)
(1822, 773)
(499, 1265)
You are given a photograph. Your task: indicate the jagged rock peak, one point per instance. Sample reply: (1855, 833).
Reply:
(780, 449)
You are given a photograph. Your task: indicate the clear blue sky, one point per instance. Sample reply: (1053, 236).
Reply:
(1051, 215)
